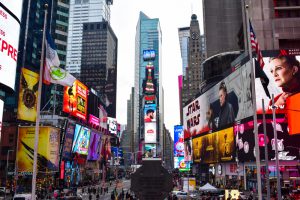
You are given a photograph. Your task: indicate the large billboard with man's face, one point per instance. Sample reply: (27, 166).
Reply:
(283, 72)
(220, 106)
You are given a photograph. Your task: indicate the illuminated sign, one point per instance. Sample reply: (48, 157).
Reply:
(150, 150)
(81, 140)
(150, 113)
(149, 99)
(150, 132)
(188, 154)
(149, 55)
(95, 146)
(178, 141)
(75, 100)
(112, 125)
(66, 153)
(180, 164)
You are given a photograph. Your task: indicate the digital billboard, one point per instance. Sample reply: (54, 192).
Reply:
(283, 72)
(69, 135)
(150, 150)
(188, 151)
(150, 132)
(102, 117)
(95, 146)
(178, 141)
(149, 99)
(81, 140)
(75, 100)
(288, 145)
(10, 16)
(105, 149)
(148, 55)
(112, 125)
(48, 149)
(214, 147)
(149, 83)
(220, 106)
(28, 93)
(180, 164)
(149, 113)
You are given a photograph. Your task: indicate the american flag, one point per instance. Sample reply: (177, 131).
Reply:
(255, 46)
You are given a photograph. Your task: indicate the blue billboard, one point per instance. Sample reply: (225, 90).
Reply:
(148, 55)
(181, 165)
(178, 141)
(81, 140)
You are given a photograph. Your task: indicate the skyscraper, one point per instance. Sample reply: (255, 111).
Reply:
(148, 37)
(83, 11)
(184, 35)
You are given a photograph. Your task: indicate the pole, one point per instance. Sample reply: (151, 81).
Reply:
(37, 124)
(276, 150)
(254, 107)
(266, 151)
(7, 157)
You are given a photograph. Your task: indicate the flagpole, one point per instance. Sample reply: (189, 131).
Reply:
(37, 124)
(266, 150)
(254, 107)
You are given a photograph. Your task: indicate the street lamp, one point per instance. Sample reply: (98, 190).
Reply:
(7, 157)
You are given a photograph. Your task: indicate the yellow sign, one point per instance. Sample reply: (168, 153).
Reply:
(48, 149)
(232, 194)
(28, 95)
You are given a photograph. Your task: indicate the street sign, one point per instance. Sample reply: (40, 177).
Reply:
(151, 180)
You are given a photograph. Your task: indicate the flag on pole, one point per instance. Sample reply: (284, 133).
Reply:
(255, 46)
(53, 73)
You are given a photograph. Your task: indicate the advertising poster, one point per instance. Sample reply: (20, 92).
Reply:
(283, 72)
(180, 164)
(150, 113)
(149, 99)
(9, 41)
(69, 135)
(112, 125)
(150, 132)
(214, 147)
(220, 106)
(27, 103)
(188, 151)
(105, 149)
(81, 140)
(48, 149)
(150, 150)
(102, 117)
(75, 100)
(94, 121)
(178, 141)
(189, 184)
(95, 146)
(288, 145)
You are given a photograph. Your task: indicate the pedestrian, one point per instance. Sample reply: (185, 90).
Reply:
(90, 196)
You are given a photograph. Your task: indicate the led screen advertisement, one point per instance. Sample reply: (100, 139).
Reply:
(102, 117)
(178, 141)
(10, 14)
(48, 149)
(148, 55)
(283, 73)
(214, 147)
(150, 113)
(150, 150)
(188, 153)
(150, 132)
(220, 106)
(180, 164)
(81, 140)
(69, 135)
(95, 146)
(112, 125)
(28, 93)
(75, 100)
(288, 145)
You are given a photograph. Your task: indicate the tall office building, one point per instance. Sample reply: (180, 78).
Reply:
(99, 62)
(83, 11)
(184, 35)
(148, 37)
(222, 22)
(193, 74)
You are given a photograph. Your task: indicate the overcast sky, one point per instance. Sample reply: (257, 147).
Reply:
(172, 14)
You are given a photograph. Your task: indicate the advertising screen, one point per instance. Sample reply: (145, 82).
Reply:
(102, 117)
(150, 132)
(180, 164)
(283, 73)
(81, 140)
(149, 83)
(150, 150)
(95, 146)
(105, 149)
(149, 55)
(48, 149)
(188, 152)
(149, 99)
(10, 14)
(28, 93)
(69, 135)
(94, 121)
(75, 100)
(178, 141)
(112, 125)
(214, 147)
(288, 145)
(150, 113)
(220, 106)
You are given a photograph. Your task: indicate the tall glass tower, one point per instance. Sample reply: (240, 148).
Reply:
(148, 37)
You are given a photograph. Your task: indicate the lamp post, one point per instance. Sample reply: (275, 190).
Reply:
(7, 157)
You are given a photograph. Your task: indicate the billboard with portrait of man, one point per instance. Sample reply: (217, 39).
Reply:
(150, 113)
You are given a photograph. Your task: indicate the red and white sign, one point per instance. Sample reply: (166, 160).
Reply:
(94, 121)
(150, 132)
(9, 41)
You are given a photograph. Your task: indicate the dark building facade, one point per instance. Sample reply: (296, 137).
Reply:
(99, 62)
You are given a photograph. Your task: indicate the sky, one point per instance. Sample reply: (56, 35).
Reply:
(172, 14)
